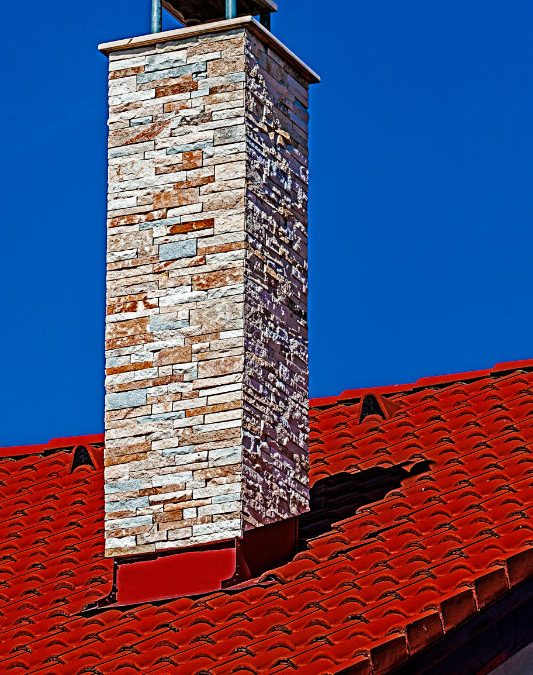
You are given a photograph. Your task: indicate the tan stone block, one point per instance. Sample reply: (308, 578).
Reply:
(225, 66)
(222, 201)
(169, 169)
(184, 534)
(154, 536)
(128, 413)
(134, 135)
(129, 531)
(222, 517)
(224, 366)
(201, 341)
(118, 551)
(176, 106)
(212, 383)
(221, 248)
(224, 436)
(174, 516)
(215, 317)
(133, 453)
(134, 264)
(220, 407)
(217, 472)
(125, 550)
(174, 355)
(226, 87)
(171, 523)
(161, 490)
(181, 497)
(208, 352)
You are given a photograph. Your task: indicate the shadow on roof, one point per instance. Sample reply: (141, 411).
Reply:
(338, 497)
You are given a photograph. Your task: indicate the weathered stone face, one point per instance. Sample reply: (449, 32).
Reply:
(206, 335)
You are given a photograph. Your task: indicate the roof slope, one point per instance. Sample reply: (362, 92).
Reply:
(441, 475)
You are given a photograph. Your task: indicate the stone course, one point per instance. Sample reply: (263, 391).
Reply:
(206, 331)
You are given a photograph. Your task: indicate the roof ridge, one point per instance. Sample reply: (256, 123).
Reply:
(12, 452)
(423, 383)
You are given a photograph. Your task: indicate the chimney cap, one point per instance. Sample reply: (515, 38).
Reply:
(193, 12)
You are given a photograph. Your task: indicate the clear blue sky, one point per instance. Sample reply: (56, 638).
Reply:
(421, 230)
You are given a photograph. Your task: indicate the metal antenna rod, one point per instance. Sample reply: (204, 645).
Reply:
(231, 9)
(157, 16)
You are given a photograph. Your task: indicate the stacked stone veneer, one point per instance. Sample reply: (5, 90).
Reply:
(206, 335)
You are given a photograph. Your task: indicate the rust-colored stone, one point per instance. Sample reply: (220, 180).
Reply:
(193, 159)
(192, 226)
(126, 72)
(120, 343)
(175, 197)
(186, 84)
(229, 277)
(129, 368)
(129, 304)
(176, 106)
(120, 221)
(127, 328)
(194, 182)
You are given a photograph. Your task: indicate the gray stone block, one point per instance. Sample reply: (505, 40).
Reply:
(126, 399)
(177, 250)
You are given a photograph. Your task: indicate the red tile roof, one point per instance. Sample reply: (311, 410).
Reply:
(442, 473)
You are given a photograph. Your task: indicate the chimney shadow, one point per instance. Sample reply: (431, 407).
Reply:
(338, 497)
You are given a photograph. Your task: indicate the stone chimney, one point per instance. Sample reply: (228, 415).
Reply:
(206, 429)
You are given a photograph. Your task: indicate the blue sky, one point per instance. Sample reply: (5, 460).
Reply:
(421, 195)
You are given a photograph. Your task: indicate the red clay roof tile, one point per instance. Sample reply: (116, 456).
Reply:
(424, 498)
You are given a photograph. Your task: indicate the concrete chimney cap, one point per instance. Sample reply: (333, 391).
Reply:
(193, 12)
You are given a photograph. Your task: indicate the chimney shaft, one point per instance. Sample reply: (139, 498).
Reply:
(206, 332)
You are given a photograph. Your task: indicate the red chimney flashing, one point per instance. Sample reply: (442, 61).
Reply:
(172, 576)
(202, 569)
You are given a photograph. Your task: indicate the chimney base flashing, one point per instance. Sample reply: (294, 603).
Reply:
(196, 571)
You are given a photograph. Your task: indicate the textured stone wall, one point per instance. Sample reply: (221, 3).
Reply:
(275, 424)
(206, 333)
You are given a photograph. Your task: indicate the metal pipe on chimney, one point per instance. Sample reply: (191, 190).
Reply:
(231, 9)
(157, 16)
(264, 18)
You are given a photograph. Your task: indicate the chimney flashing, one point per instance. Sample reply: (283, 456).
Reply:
(249, 22)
